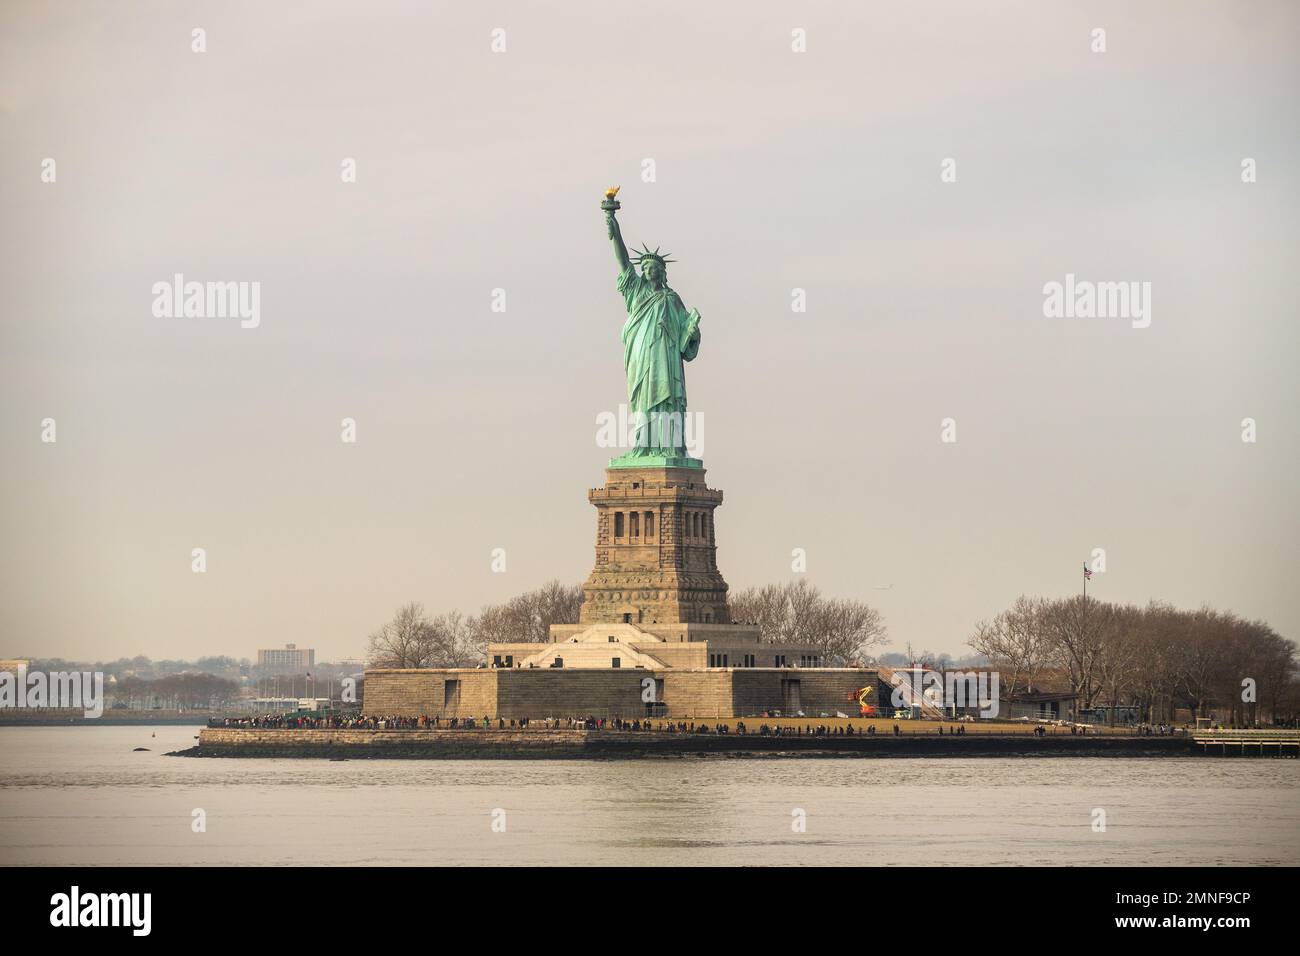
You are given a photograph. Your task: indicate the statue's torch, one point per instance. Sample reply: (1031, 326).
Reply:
(610, 205)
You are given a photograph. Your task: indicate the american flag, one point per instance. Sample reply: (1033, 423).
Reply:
(1087, 573)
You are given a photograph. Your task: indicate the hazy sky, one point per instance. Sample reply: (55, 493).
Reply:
(774, 170)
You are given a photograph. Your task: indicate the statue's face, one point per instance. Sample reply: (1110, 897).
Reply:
(653, 271)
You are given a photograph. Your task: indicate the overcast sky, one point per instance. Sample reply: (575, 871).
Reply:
(775, 170)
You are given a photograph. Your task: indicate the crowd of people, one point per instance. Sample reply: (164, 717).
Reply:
(424, 722)
(765, 729)
(321, 722)
(1160, 730)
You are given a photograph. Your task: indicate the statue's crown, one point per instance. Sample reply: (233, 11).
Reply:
(645, 253)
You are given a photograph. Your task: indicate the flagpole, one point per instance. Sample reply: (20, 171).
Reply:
(1084, 614)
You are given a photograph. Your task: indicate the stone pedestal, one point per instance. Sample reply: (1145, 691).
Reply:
(656, 551)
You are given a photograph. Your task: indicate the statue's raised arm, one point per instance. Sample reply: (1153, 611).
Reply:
(611, 205)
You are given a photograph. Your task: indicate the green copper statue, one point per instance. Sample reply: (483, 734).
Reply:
(659, 335)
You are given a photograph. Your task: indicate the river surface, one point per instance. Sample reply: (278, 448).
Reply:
(82, 796)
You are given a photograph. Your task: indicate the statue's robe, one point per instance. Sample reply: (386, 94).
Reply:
(659, 335)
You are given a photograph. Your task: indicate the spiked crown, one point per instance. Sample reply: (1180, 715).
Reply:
(645, 253)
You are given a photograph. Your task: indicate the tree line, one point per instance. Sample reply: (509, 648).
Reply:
(841, 630)
(1156, 659)
(147, 669)
(796, 612)
(175, 691)
(415, 639)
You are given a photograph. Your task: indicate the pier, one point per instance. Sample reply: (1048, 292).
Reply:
(1246, 743)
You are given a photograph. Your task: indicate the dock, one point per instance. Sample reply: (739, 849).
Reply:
(1246, 743)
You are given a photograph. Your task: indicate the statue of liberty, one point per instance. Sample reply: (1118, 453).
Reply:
(658, 337)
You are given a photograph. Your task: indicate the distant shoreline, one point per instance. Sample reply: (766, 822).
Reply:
(77, 718)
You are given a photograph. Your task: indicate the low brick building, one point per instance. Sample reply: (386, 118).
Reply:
(581, 692)
(620, 670)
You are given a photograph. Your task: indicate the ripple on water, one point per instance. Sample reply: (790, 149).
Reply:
(80, 795)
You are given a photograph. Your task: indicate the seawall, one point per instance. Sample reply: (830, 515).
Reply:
(531, 744)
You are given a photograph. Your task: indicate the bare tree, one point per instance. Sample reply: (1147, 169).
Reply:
(840, 629)
(1273, 666)
(1155, 637)
(765, 607)
(527, 618)
(1158, 658)
(1016, 642)
(408, 640)
(456, 642)
(1076, 628)
(1118, 657)
(1200, 661)
(845, 629)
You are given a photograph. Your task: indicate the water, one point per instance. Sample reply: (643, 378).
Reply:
(79, 796)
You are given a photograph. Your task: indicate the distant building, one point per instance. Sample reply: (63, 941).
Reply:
(290, 659)
(1124, 714)
(1040, 705)
(283, 705)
